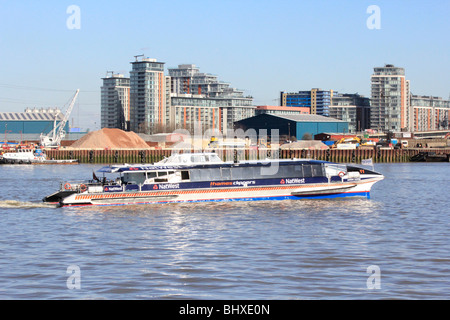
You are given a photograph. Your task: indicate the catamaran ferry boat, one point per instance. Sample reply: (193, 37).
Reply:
(200, 177)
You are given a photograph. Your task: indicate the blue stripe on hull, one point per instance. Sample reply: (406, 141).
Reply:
(321, 196)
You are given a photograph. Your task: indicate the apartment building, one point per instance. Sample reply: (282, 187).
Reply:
(430, 113)
(198, 96)
(317, 100)
(353, 108)
(390, 109)
(149, 96)
(115, 101)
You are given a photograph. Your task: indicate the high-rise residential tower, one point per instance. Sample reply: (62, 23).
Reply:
(115, 102)
(317, 100)
(149, 107)
(390, 107)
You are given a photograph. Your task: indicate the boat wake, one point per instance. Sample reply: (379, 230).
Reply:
(24, 204)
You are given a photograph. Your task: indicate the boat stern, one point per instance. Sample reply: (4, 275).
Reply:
(68, 193)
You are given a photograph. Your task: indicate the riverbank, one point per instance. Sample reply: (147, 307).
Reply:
(110, 156)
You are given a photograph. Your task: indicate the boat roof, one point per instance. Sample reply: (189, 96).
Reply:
(199, 160)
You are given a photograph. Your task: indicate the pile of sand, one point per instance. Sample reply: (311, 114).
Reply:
(110, 138)
(305, 144)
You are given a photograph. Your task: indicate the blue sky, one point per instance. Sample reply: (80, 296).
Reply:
(260, 46)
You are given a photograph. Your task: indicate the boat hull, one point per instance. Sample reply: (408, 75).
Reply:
(257, 193)
(37, 162)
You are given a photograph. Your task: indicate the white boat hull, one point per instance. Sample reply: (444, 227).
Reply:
(249, 193)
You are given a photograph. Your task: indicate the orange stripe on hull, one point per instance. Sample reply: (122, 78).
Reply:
(171, 193)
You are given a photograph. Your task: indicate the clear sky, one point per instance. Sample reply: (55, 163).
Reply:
(260, 46)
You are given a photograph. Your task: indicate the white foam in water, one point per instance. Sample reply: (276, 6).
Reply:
(24, 204)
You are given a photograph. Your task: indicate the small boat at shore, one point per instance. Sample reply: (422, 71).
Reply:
(430, 157)
(204, 177)
(30, 156)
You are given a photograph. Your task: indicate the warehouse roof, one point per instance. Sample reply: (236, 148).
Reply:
(300, 117)
(31, 116)
(307, 118)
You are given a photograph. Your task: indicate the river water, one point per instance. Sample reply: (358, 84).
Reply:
(394, 246)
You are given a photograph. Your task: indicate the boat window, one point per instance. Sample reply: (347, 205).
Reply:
(205, 175)
(226, 173)
(284, 172)
(276, 171)
(307, 171)
(151, 175)
(200, 175)
(236, 173)
(254, 172)
(195, 175)
(214, 158)
(215, 174)
(135, 177)
(198, 158)
(317, 170)
(267, 171)
(184, 175)
(162, 173)
(244, 173)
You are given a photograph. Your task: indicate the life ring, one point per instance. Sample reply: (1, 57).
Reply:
(67, 186)
(83, 187)
(341, 174)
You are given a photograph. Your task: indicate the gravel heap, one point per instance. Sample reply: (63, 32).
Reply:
(110, 138)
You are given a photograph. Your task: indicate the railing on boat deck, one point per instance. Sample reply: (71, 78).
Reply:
(81, 186)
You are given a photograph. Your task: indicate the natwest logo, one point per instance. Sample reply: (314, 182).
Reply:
(112, 189)
(282, 181)
(295, 180)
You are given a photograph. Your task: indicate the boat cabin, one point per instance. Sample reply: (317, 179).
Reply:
(210, 168)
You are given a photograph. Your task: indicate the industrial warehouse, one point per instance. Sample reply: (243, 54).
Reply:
(32, 122)
(294, 125)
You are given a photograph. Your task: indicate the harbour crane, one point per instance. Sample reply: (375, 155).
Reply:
(53, 139)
